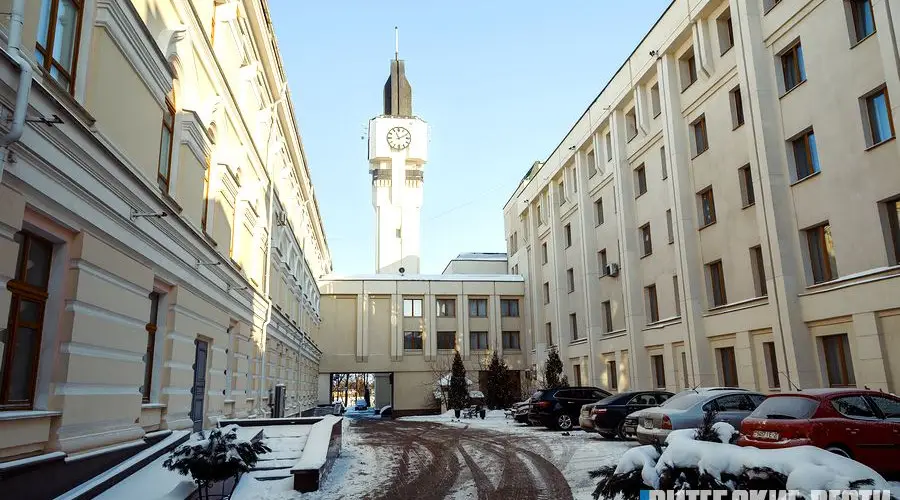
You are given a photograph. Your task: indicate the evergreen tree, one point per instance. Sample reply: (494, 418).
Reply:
(552, 370)
(564, 381)
(459, 392)
(498, 385)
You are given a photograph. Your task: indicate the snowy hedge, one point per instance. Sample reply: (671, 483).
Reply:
(215, 455)
(689, 463)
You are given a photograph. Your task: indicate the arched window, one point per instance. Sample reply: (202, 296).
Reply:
(166, 140)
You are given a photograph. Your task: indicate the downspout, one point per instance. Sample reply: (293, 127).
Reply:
(267, 266)
(14, 49)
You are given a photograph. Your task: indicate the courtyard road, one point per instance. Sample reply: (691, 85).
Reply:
(435, 461)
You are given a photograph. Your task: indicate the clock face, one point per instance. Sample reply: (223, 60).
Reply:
(398, 138)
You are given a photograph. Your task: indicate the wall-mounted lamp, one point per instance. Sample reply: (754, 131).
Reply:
(571, 148)
(653, 53)
(136, 215)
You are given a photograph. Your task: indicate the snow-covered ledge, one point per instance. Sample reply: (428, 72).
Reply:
(321, 449)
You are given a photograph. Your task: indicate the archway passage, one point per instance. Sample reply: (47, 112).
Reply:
(363, 394)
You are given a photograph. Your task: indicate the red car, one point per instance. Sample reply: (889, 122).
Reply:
(860, 424)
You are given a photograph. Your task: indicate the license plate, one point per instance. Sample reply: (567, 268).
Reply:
(769, 435)
(648, 423)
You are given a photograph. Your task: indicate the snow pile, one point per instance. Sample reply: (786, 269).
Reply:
(688, 463)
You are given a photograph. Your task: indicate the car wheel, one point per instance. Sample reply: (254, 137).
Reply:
(620, 431)
(838, 450)
(564, 422)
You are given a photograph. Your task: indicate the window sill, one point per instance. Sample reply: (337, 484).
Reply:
(700, 153)
(640, 194)
(170, 202)
(735, 127)
(788, 91)
(413, 351)
(748, 205)
(614, 333)
(657, 115)
(737, 306)
(578, 341)
(704, 226)
(27, 414)
(684, 89)
(727, 50)
(209, 239)
(863, 39)
(873, 146)
(798, 181)
(646, 255)
(152, 406)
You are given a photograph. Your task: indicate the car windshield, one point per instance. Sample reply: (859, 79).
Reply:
(786, 407)
(684, 400)
(537, 395)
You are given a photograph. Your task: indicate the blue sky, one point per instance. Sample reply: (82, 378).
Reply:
(499, 82)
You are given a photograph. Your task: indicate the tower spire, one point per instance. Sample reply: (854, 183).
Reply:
(396, 44)
(397, 91)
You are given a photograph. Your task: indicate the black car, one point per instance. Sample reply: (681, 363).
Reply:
(559, 408)
(607, 416)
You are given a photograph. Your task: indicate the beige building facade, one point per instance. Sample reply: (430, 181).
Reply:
(725, 211)
(160, 240)
(405, 330)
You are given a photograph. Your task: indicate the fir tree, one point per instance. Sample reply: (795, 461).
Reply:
(564, 381)
(459, 393)
(552, 370)
(498, 386)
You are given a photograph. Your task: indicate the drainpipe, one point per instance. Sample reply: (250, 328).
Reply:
(14, 49)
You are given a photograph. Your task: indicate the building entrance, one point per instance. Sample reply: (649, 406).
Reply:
(363, 392)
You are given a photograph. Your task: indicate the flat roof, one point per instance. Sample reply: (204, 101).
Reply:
(492, 256)
(506, 278)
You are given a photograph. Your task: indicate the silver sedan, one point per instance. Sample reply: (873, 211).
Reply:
(686, 411)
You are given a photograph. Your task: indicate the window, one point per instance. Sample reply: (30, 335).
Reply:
(892, 214)
(573, 325)
(412, 341)
(652, 304)
(659, 371)
(576, 374)
(792, 67)
(669, 229)
(163, 172)
(655, 106)
(515, 269)
(677, 295)
(540, 213)
(890, 408)
(204, 216)
(727, 367)
(737, 107)
(863, 19)
(544, 253)
(640, 180)
(546, 292)
(598, 211)
(698, 131)
(446, 341)
(548, 330)
(574, 180)
(446, 308)
(688, 69)
(612, 375)
(511, 341)
(662, 161)
(602, 262)
(769, 4)
(707, 207)
(838, 365)
(880, 122)
(591, 160)
(412, 308)
(630, 124)
(607, 316)
(561, 192)
(514, 243)
(726, 32)
(821, 253)
(478, 308)
(646, 241)
(59, 29)
(746, 179)
(717, 283)
(854, 407)
(759, 271)
(20, 345)
(570, 279)
(771, 364)
(806, 156)
(568, 234)
(684, 369)
(509, 308)
(608, 146)
(151, 343)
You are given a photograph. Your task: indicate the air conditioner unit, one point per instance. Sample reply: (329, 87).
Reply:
(612, 269)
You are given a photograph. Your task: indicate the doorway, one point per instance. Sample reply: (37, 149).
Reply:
(362, 393)
(198, 391)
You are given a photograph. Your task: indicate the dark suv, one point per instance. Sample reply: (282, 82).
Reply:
(559, 408)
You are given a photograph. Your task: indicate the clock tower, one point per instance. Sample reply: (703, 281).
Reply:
(398, 150)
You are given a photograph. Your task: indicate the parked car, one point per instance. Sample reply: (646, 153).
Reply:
(607, 416)
(559, 408)
(630, 423)
(686, 411)
(361, 405)
(860, 424)
(520, 411)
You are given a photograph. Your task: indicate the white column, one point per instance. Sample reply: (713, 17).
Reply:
(462, 324)
(589, 266)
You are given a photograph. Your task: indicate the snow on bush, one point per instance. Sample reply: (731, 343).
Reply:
(215, 455)
(690, 463)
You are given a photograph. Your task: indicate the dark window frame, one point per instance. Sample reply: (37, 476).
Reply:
(507, 310)
(479, 335)
(164, 180)
(652, 303)
(47, 61)
(444, 335)
(707, 207)
(477, 303)
(507, 337)
(819, 256)
(717, 283)
(700, 135)
(413, 340)
(793, 67)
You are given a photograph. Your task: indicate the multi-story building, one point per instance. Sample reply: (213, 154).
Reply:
(725, 211)
(160, 240)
